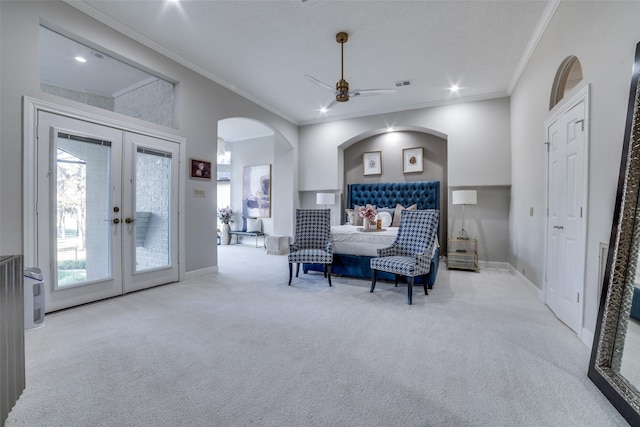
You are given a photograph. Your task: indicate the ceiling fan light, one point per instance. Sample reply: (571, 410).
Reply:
(342, 90)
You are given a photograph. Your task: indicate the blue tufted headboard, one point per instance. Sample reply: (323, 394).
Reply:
(426, 194)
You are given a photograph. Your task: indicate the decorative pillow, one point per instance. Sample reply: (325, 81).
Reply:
(254, 225)
(398, 213)
(390, 211)
(351, 216)
(385, 217)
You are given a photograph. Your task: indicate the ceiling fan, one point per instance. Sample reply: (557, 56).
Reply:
(342, 92)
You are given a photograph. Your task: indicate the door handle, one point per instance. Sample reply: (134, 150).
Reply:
(116, 220)
(559, 227)
(129, 220)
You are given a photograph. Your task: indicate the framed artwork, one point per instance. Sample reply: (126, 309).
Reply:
(256, 191)
(412, 160)
(372, 163)
(200, 169)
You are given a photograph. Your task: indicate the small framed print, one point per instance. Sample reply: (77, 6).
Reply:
(412, 160)
(372, 163)
(200, 169)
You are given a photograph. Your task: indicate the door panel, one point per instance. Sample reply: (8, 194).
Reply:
(565, 234)
(78, 188)
(107, 210)
(151, 200)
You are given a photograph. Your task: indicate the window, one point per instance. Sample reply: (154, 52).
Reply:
(81, 73)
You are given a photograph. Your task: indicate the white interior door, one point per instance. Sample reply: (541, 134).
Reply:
(566, 211)
(107, 210)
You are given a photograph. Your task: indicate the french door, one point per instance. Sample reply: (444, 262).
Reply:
(107, 210)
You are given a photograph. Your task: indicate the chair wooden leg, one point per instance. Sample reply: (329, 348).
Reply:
(297, 269)
(327, 272)
(373, 280)
(290, 272)
(410, 290)
(396, 276)
(424, 284)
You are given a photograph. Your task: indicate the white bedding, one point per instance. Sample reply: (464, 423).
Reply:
(348, 240)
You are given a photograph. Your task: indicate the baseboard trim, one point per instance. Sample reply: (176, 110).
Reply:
(494, 264)
(529, 285)
(199, 273)
(587, 337)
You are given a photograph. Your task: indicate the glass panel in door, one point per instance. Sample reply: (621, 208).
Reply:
(83, 204)
(152, 213)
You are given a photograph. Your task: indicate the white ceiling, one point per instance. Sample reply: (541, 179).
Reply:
(263, 49)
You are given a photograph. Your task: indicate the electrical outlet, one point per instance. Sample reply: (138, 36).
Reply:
(198, 192)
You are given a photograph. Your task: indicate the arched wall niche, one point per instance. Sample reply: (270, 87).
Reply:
(391, 146)
(253, 142)
(567, 77)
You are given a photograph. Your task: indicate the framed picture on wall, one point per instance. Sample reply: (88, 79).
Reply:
(372, 163)
(200, 169)
(256, 191)
(412, 160)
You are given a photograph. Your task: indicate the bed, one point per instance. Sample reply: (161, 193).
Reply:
(352, 249)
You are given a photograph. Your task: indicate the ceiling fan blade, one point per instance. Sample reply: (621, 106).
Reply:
(370, 92)
(331, 104)
(319, 83)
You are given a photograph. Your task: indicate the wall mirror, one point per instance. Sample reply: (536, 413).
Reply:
(615, 355)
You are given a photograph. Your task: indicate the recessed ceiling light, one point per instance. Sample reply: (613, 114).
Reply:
(80, 59)
(323, 110)
(389, 129)
(454, 88)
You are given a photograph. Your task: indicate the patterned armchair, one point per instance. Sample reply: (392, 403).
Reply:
(312, 241)
(410, 255)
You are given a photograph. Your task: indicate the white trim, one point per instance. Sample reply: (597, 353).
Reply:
(528, 284)
(587, 338)
(202, 272)
(544, 21)
(580, 94)
(31, 107)
(494, 264)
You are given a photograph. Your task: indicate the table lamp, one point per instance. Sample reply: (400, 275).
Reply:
(464, 197)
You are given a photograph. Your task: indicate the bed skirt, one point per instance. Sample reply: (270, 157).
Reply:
(358, 266)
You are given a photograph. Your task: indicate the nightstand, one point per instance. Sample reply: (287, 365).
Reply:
(463, 254)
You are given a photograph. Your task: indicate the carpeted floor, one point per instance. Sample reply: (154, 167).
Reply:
(240, 348)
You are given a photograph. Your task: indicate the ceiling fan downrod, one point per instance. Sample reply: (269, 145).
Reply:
(342, 87)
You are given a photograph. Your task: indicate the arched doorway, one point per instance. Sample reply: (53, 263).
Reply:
(249, 142)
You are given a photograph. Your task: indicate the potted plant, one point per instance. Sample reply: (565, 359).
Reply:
(225, 215)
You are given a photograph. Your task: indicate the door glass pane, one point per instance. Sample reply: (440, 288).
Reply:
(153, 202)
(83, 204)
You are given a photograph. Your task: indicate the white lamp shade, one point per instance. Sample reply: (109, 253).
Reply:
(464, 197)
(325, 198)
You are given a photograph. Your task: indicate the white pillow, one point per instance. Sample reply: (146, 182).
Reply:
(254, 224)
(385, 217)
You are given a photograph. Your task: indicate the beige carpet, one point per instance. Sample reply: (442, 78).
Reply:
(241, 348)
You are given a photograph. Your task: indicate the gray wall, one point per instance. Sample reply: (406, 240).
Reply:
(251, 152)
(478, 156)
(603, 35)
(391, 145)
(200, 105)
